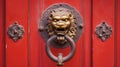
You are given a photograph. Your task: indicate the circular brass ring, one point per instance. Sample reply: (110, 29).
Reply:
(53, 57)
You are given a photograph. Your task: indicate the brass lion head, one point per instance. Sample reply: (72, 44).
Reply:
(61, 22)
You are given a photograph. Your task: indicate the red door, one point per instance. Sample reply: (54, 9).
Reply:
(22, 44)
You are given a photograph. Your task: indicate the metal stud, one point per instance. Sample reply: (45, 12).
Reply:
(103, 31)
(15, 31)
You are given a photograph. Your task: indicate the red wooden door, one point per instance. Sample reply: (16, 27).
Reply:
(29, 51)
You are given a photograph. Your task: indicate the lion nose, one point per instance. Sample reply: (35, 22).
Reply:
(60, 23)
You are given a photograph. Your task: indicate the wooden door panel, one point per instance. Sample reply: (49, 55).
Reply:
(30, 50)
(38, 55)
(17, 52)
(87, 38)
(103, 52)
(35, 39)
(2, 36)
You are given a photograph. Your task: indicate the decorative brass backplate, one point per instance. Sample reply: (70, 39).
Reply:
(61, 19)
(15, 31)
(103, 31)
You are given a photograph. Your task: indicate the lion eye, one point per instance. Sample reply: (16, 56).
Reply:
(55, 20)
(64, 19)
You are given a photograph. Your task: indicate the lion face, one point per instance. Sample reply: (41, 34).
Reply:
(61, 22)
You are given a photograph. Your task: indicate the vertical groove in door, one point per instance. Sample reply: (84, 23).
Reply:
(4, 64)
(29, 34)
(2, 33)
(117, 29)
(117, 32)
(87, 32)
(91, 34)
(34, 39)
(115, 38)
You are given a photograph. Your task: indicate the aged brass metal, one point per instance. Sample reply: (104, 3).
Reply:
(60, 26)
(61, 22)
(61, 19)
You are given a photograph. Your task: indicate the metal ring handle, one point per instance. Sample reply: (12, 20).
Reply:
(53, 57)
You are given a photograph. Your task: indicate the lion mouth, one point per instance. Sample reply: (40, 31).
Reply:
(61, 31)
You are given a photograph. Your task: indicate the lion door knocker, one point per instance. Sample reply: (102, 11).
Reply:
(61, 25)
